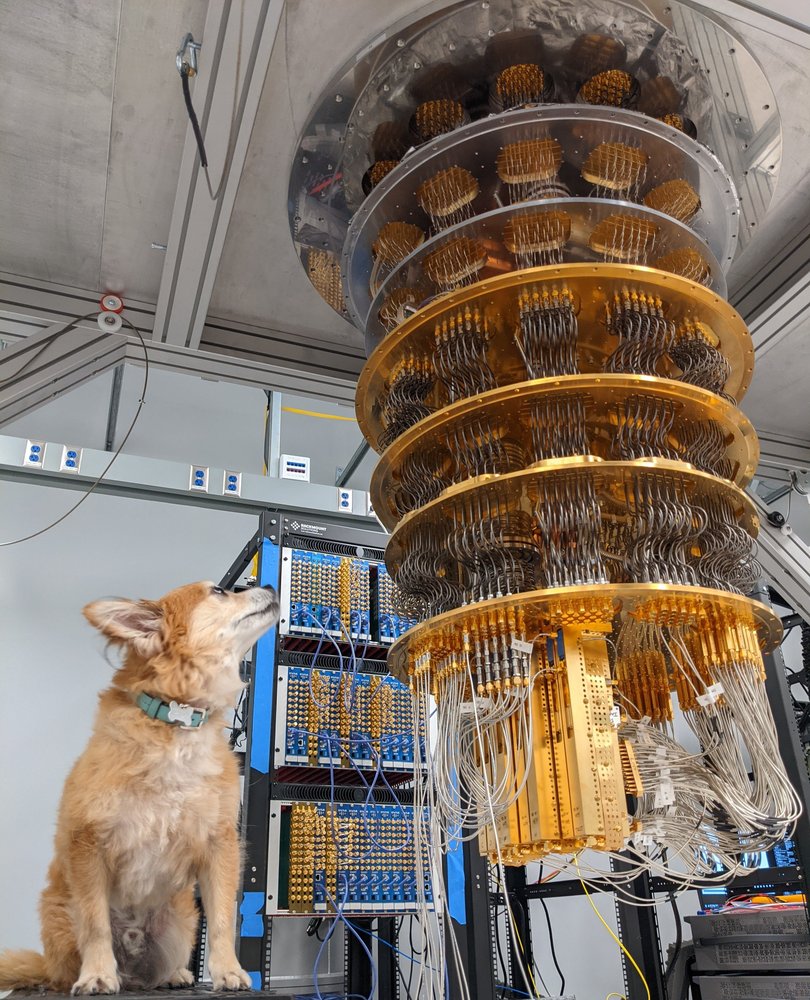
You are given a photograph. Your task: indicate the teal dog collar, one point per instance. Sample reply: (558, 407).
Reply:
(174, 713)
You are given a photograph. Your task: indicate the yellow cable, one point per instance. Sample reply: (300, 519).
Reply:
(621, 996)
(520, 945)
(633, 962)
(313, 413)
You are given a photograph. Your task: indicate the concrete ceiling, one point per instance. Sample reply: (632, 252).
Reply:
(92, 137)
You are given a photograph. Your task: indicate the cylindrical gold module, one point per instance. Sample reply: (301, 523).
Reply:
(681, 123)
(594, 53)
(676, 198)
(525, 83)
(447, 196)
(659, 96)
(529, 160)
(687, 263)
(614, 87)
(537, 237)
(377, 172)
(434, 118)
(456, 262)
(615, 167)
(395, 241)
(624, 238)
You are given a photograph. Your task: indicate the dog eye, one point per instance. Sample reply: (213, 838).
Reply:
(217, 590)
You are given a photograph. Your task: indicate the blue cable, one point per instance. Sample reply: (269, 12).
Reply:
(511, 989)
(324, 634)
(327, 936)
(410, 958)
(353, 930)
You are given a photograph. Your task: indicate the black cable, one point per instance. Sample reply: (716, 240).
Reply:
(551, 937)
(97, 482)
(413, 953)
(192, 117)
(678, 937)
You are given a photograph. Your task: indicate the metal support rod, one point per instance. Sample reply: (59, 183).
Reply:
(520, 951)
(112, 412)
(351, 466)
(272, 434)
(358, 968)
(386, 959)
(790, 748)
(254, 930)
(638, 930)
(473, 929)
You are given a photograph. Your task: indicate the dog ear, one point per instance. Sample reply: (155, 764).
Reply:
(136, 623)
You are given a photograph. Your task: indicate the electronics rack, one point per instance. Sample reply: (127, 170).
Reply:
(293, 770)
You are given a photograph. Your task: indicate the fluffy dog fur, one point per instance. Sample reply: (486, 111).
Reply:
(150, 809)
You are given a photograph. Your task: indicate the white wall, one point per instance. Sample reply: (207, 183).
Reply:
(51, 661)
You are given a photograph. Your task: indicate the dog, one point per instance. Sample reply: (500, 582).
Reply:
(151, 807)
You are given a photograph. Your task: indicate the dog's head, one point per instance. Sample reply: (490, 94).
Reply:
(188, 645)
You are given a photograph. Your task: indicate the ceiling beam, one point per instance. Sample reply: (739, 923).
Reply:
(230, 352)
(52, 362)
(236, 47)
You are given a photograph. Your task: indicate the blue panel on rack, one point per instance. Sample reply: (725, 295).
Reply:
(256, 980)
(250, 910)
(456, 899)
(456, 903)
(265, 670)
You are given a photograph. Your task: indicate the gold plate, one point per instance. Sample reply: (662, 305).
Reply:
(594, 286)
(507, 405)
(593, 604)
(609, 479)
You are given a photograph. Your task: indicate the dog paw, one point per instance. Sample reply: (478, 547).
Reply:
(233, 979)
(94, 982)
(178, 979)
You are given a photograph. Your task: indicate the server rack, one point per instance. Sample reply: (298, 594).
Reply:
(271, 780)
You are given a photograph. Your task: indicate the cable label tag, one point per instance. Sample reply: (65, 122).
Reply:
(521, 646)
(615, 716)
(713, 692)
(664, 795)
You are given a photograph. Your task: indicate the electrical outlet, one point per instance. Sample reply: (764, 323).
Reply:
(71, 458)
(294, 467)
(344, 500)
(34, 454)
(198, 478)
(232, 484)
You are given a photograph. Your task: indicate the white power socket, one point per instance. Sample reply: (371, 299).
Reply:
(34, 454)
(344, 500)
(232, 483)
(198, 478)
(71, 458)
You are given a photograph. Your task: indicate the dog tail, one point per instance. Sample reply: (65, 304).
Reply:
(21, 970)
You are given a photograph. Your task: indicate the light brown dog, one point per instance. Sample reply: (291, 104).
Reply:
(151, 807)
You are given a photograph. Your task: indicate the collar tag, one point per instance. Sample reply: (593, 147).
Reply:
(184, 714)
